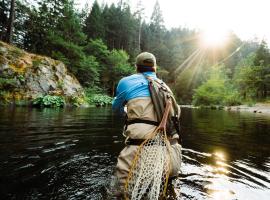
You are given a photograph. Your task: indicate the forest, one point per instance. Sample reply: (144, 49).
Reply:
(99, 44)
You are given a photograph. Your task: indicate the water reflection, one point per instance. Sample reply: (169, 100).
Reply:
(216, 188)
(210, 176)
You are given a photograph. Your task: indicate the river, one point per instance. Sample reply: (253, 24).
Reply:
(71, 154)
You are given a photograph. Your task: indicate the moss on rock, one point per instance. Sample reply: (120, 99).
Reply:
(34, 75)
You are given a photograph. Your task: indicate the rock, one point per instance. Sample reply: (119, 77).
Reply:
(3, 50)
(37, 75)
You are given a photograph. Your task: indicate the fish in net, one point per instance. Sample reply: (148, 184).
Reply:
(149, 173)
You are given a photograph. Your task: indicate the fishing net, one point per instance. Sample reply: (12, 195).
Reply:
(149, 172)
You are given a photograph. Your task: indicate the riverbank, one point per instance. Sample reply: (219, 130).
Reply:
(256, 108)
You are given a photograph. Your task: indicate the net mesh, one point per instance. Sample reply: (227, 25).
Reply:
(149, 173)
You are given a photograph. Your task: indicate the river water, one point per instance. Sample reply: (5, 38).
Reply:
(71, 154)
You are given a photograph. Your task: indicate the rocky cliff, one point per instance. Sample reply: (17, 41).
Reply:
(25, 76)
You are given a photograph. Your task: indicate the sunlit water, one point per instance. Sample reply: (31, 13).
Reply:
(71, 154)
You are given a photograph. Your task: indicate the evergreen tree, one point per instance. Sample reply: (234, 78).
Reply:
(262, 59)
(157, 21)
(111, 24)
(128, 31)
(66, 39)
(94, 24)
(22, 13)
(156, 36)
(10, 25)
(41, 22)
(7, 15)
(262, 55)
(3, 18)
(118, 67)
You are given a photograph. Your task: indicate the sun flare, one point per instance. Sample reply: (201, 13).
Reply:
(213, 38)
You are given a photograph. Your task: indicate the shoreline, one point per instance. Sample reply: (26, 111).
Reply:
(263, 108)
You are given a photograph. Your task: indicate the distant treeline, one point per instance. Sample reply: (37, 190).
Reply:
(99, 44)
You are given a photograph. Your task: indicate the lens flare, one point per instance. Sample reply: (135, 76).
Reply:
(220, 155)
(214, 37)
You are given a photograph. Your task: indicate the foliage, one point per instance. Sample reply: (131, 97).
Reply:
(93, 90)
(262, 56)
(78, 101)
(99, 46)
(118, 67)
(88, 71)
(98, 49)
(94, 23)
(49, 101)
(7, 84)
(216, 91)
(248, 81)
(21, 78)
(3, 97)
(252, 76)
(4, 9)
(100, 100)
(95, 97)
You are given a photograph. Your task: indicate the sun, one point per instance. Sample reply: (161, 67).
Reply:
(213, 37)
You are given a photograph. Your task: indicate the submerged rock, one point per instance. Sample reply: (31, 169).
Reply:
(25, 76)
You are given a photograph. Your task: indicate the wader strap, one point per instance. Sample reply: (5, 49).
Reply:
(138, 142)
(135, 121)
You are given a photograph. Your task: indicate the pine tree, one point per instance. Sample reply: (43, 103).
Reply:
(7, 15)
(3, 18)
(40, 23)
(94, 24)
(157, 24)
(66, 39)
(262, 55)
(262, 62)
(10, 25)
(111, 24)
(157, 33)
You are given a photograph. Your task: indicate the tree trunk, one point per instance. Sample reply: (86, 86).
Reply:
(264, 91)
(10, 25)
(140, 30)
(113, 89)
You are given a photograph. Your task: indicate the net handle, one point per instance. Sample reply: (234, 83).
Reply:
(162, 125)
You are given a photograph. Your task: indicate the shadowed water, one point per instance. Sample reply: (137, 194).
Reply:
(71, 154)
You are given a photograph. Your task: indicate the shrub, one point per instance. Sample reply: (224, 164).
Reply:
(96, 96)
(4, 97)
(232, 99)
(217, 90)
(78, 101)
(49, 101)
(100, 100)
(7, 84)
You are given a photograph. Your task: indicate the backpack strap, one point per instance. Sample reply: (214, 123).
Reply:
(164, 87)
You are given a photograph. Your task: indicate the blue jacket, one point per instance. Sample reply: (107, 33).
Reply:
(131, 87)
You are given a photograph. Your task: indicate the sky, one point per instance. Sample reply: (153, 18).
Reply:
(247, 18)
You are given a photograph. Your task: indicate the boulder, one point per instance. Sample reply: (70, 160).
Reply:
(30, 75)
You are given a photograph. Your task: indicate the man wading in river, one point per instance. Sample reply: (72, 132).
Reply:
(143, 117)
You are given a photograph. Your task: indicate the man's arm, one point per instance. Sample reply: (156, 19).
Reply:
(120, 98)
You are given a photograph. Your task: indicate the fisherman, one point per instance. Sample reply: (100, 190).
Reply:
(133, 99)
